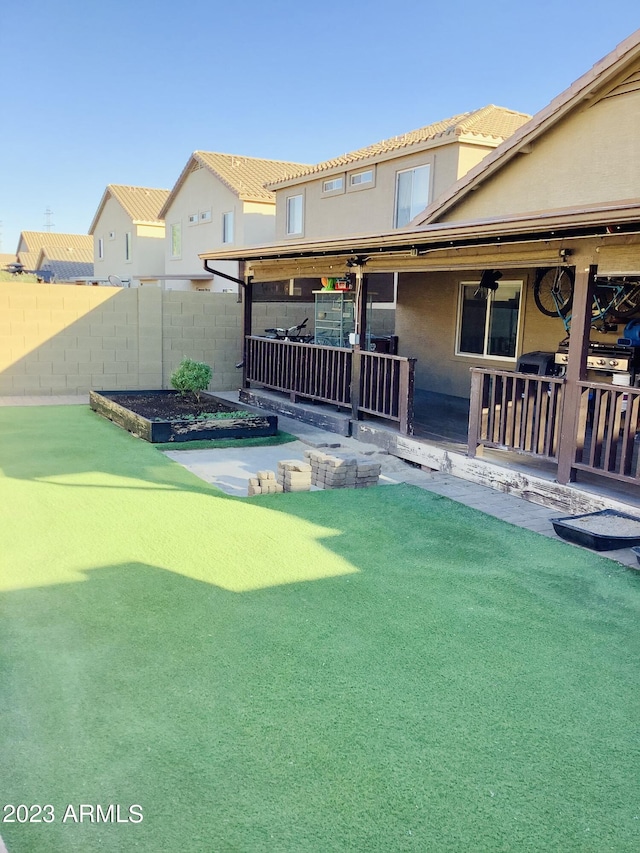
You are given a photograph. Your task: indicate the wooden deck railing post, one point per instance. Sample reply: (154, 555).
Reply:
(356, 383)
(475, 403)
(405, 393)
(247, 318)
(576, 371)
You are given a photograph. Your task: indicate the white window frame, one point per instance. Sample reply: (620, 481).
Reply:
(361, 179)
(228, 225)
(333, 186)
(112, 235)
(100, 249)
(193, 218)
(484, 355)
(175, 240)
(295, 217)
(127, 246)
(418, 209)
(205, 216)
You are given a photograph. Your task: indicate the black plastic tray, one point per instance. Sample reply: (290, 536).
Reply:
(580, 534)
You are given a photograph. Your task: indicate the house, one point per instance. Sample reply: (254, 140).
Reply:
(128, 233)
(385, 185)
(6, 260)
(559, 200)
(219, 200)
(31, 244)
(65, 263)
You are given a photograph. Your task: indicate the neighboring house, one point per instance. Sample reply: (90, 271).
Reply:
(6, 259)
(562, 193)
(218, 200)
(387, 184)
(65, 264)
(31, 244)
(128, 233)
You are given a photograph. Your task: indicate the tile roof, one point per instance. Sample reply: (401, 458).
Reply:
(29, 260)
(35, 240)
(244, 176)
(489, 123)
(83, 254)
(6, 258)
(142, 204)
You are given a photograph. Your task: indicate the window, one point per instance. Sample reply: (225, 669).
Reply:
(192, 219)
(112, 235)
(412, 194)
(176, 240)
(205, 216)
(333, 185)
(100, 249)
(488, 325)
(360, 178)
(294, 214)
(127, 246)
(227, 227)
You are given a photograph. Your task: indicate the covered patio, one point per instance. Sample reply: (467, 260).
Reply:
(576, 425)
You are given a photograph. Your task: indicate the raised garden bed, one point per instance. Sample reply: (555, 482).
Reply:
(164, 416)
(606, 530)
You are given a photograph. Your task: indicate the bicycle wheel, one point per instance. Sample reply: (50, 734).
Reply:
(628, 302)
(553, 291)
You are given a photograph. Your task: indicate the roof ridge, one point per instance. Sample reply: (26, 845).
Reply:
(426, 132)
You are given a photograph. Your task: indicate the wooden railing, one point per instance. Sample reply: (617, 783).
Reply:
(608, 432)
(305, 370)
(386, 387)
(515, 411)
(521, 412)
(370, 383)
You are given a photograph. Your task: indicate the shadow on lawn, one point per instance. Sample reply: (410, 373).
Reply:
(334, 715)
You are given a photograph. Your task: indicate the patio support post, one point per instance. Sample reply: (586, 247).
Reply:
(360, 337)
(576, 371)
(247, 317)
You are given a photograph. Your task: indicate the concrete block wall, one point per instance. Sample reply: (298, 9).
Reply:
(66, 339)
(281, 315)
(206, 327)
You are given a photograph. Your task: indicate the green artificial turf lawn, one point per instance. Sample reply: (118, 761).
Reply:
(358, 670)
(210, 444)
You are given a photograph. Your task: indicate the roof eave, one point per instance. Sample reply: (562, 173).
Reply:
(612, 218)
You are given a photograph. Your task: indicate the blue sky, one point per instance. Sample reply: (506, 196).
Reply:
(123, 92)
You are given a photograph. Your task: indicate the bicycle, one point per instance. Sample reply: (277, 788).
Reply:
(612, 297)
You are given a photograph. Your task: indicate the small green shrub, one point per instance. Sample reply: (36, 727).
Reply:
(191, 376)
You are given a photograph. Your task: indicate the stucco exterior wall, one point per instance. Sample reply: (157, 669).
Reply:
(590, 157)
(426, 317)
(112, 219)
(201, 192)
(364, 210)
(147, 246)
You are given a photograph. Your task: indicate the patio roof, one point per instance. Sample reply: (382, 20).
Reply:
(604, 220)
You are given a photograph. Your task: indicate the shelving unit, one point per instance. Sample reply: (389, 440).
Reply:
(334, 317)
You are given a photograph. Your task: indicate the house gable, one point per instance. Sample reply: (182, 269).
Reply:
(591, 157)
(582, 149)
